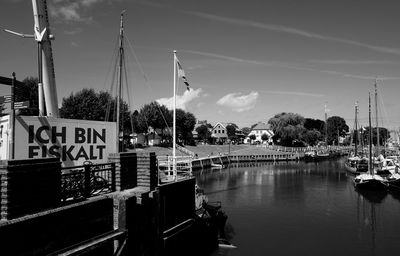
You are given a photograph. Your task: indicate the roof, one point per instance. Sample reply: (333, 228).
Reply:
(219, 124)
(262, 126)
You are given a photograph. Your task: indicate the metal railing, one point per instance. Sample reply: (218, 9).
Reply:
(166, 169)
(80, 182)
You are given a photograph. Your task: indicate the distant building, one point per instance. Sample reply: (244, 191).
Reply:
(219, 133)
(258, 131)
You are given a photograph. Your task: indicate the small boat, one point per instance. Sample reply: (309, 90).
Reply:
(316, 156)
(385, 167)
(223, 243)
(356, 165)
(220, 166)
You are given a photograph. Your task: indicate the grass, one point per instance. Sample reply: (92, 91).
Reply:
(206, 150)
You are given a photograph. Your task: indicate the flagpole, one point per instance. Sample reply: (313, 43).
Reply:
(174, 125)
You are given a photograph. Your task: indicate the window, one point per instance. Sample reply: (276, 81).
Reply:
(223, 131)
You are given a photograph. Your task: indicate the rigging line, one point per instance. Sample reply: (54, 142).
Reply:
(112, 64)
(128, 94)
(145, 78)
(136, 58)
(111, 93)
(115, 58)
(129, 89)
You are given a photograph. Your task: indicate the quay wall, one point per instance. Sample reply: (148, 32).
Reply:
(208, 162)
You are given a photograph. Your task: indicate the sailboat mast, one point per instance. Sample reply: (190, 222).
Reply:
(174, 123)
(326, 126)
(370, 135)
(376, 117)
(119, 89)
(356, 130)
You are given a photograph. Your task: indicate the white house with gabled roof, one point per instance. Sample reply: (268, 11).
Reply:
(219, 132)
(258, 131)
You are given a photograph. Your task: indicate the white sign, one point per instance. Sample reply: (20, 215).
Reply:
(73, 141)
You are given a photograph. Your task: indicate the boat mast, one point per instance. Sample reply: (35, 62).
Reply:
(326, 126)
(356, 130)
(174, 123)
(376, 118)
(119, 89)
(370, 135)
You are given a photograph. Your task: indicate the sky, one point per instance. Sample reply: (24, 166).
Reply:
(245, 61)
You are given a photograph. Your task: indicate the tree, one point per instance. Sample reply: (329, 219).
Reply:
(287, 127)
(264, 137)
(231, 131)
(383, 135)
(203, 132)
(252, 137)
(89, 105)
(336, 127)
(156, 116)
(246, 130)
(314, 124)
(185, 124)
(28, 91)
(311, 137)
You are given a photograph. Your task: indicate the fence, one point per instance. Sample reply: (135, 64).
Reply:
(88, 180)
(166, 169)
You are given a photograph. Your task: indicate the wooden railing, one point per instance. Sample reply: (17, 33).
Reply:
(80, 182)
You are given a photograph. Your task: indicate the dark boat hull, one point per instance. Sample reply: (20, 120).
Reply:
(371, 184)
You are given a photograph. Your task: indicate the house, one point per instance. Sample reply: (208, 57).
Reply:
(219, 133)
(258, 131)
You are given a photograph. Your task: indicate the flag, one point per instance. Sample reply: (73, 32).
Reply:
(181, 73)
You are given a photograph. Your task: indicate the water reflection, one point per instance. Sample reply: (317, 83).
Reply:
(314, 206)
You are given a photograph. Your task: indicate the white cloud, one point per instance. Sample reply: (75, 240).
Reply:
(71, 11)
(239, 103)
(181, 100)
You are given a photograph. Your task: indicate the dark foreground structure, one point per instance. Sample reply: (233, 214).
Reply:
(118, 208)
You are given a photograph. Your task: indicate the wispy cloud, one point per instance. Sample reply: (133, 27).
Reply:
(289, 66)
(181, 100)
(238, 102)
(73, 31)
(295, 93)
(293, 31)
(278, 28)
(354, 62)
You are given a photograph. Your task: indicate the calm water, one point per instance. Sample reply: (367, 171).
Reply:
(302, 209)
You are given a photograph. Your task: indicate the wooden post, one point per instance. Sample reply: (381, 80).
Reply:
(87, 181)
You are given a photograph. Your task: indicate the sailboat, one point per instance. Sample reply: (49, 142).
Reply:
(370, 181)
(356, 164)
